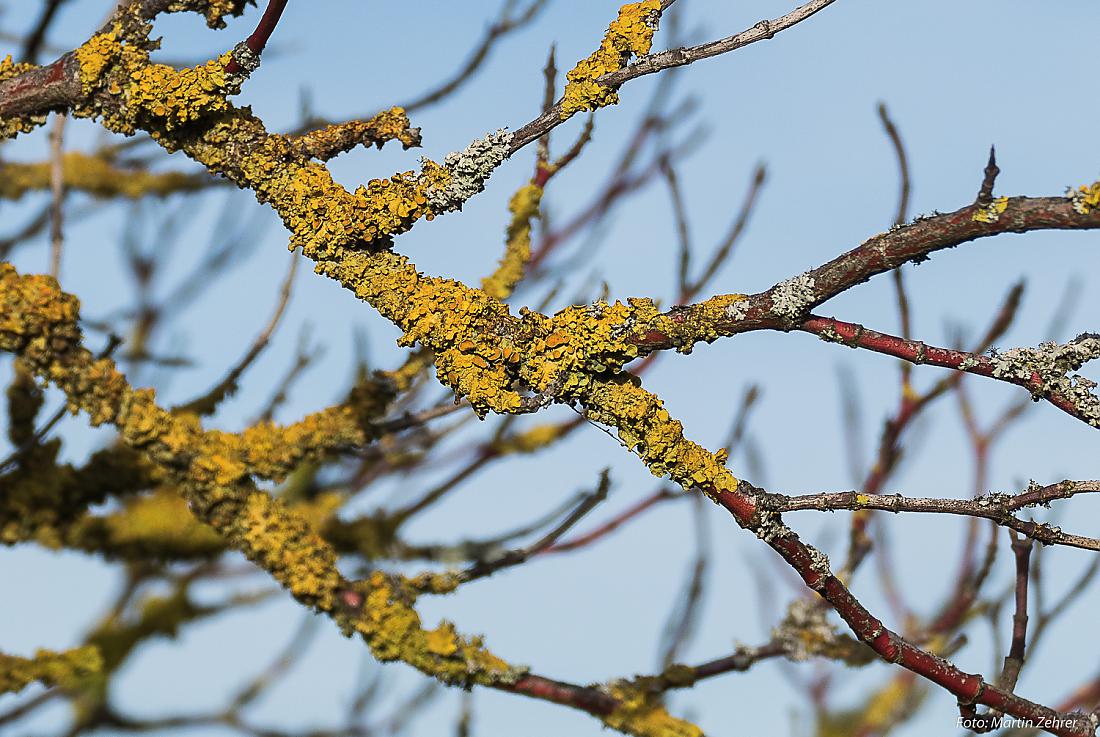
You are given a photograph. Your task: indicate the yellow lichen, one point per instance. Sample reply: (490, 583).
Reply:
(214, 10)
(1085, 198)
(94, 175)
(149, 523)
(66, 669)
(211, 469)
(388, 125)
(646, 427)
(529, 441)
(524, 207)
(992, 212)
(642, 714)
(175, 97)
(283, 544)
(10, 127)
(391, 628)
(630, 35)
(95, 56)
(498, 361)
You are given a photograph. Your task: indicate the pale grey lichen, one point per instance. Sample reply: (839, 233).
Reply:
(995, 500)
(769, 526)
(792, 297)
(737, 311)
(805, 631)
(469, 169)
(819, 561)
(1052, 363)
(1083, 199)
(248, 61)
(968, 363)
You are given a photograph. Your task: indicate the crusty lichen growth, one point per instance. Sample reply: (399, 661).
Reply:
(991, 212)
(65, 669)
(524, 207)
(631, 34)
(642, 713)
(737, 311)
(1052, 364)
(42, 499)
(11, 127)
(792, 297)
(391, 628)
(213, 472)
(467, 171)
(498, 361)
(188, 109)
(806, 632)
(647, 428)
(96, 175)
(1085, 198)
(214, 10)
(95, 57)
(25, 399)
(338, 138)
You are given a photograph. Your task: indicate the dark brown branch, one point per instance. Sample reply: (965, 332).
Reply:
(881, 253)
(989, 179)
(37, 36)
(517, 556)
(1014, 661)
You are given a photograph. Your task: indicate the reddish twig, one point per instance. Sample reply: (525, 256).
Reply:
(259, 38)
(616, 522)
(744, 504)
(914, 242)
(917, 352)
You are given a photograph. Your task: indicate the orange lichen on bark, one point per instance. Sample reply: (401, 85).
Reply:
(991, 212)
(128, 93)
(631, 34)
(156, 526)
(498, 361)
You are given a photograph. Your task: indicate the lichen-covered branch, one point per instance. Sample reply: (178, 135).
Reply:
(98, 176)
(786, 304)
(1045, 371)
(65, 670)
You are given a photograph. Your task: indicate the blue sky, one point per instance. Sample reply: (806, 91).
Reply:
(957, 77)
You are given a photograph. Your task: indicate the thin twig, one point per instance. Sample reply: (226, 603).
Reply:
(654, 63)
(998, 508)
(57, 193)
(515, 557)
